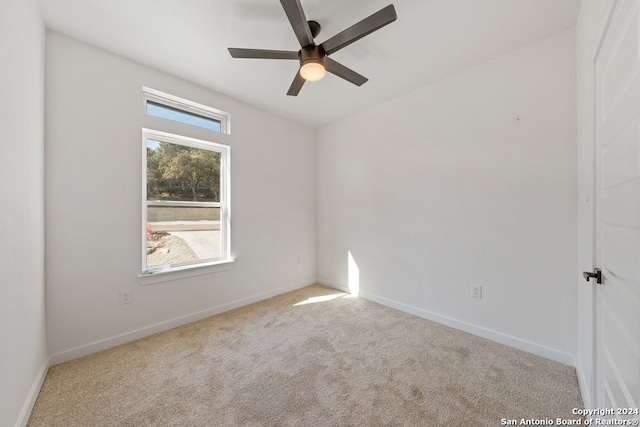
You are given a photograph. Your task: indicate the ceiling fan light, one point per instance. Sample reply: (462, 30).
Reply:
(312, 71)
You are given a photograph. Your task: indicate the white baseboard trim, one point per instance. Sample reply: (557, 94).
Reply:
(520, 344)
(585, 388)
(107, 343)
(334, 286)
(25, 413)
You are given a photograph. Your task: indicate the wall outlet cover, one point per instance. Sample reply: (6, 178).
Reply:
(476, 291)
(126, 297)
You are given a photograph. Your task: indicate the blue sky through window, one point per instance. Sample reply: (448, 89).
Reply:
(153, 144)
(162, 111)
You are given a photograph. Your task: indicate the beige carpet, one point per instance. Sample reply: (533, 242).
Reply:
(313, 357)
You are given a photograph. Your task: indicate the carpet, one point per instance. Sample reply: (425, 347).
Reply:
(312, 357)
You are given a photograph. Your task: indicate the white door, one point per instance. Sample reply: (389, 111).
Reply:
(618, 211)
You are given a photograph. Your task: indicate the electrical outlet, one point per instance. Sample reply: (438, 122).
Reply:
(476, 291)
(126, 297)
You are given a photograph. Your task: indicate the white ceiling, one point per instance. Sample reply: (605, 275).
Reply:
(431, 39)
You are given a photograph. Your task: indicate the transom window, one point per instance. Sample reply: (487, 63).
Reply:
(166, 112)
(174, 108)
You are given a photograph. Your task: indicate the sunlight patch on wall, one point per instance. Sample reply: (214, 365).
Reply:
(353, 275)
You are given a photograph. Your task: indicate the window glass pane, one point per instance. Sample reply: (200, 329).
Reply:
(178, 178)
(182, 234)
(165, 112)
(180, 173)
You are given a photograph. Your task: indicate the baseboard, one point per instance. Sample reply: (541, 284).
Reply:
(329, 284)
(529, 347)
(107, 343)
(25, 413)
(585, 388)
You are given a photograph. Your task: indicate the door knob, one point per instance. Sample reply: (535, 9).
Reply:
(597, 274)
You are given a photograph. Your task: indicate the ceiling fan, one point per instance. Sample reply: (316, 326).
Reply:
(314, 59)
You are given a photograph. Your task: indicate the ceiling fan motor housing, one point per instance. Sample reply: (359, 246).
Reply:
(311, 53)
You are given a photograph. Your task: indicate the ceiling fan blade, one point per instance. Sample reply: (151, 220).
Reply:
(298, 81)
(262, 54)
(368, 25)
(298, 21)
(346, 73)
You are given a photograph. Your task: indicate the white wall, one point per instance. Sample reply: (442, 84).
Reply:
(23, 358)
(94, 116)
(471, 180)
(591, 22)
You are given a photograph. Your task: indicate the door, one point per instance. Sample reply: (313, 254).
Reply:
(617, 67)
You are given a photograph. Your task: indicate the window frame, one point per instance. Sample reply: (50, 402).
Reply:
(212, 265)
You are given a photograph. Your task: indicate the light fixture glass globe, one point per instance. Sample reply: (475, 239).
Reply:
(312, 71)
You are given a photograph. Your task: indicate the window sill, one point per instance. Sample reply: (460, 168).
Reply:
(182, 272)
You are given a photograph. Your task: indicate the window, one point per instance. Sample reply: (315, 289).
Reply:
(185, 192)
(166, 106)
(166, 112)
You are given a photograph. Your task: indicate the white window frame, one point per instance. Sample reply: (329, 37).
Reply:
(205, 266)
(189, 107)
(181, 133)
